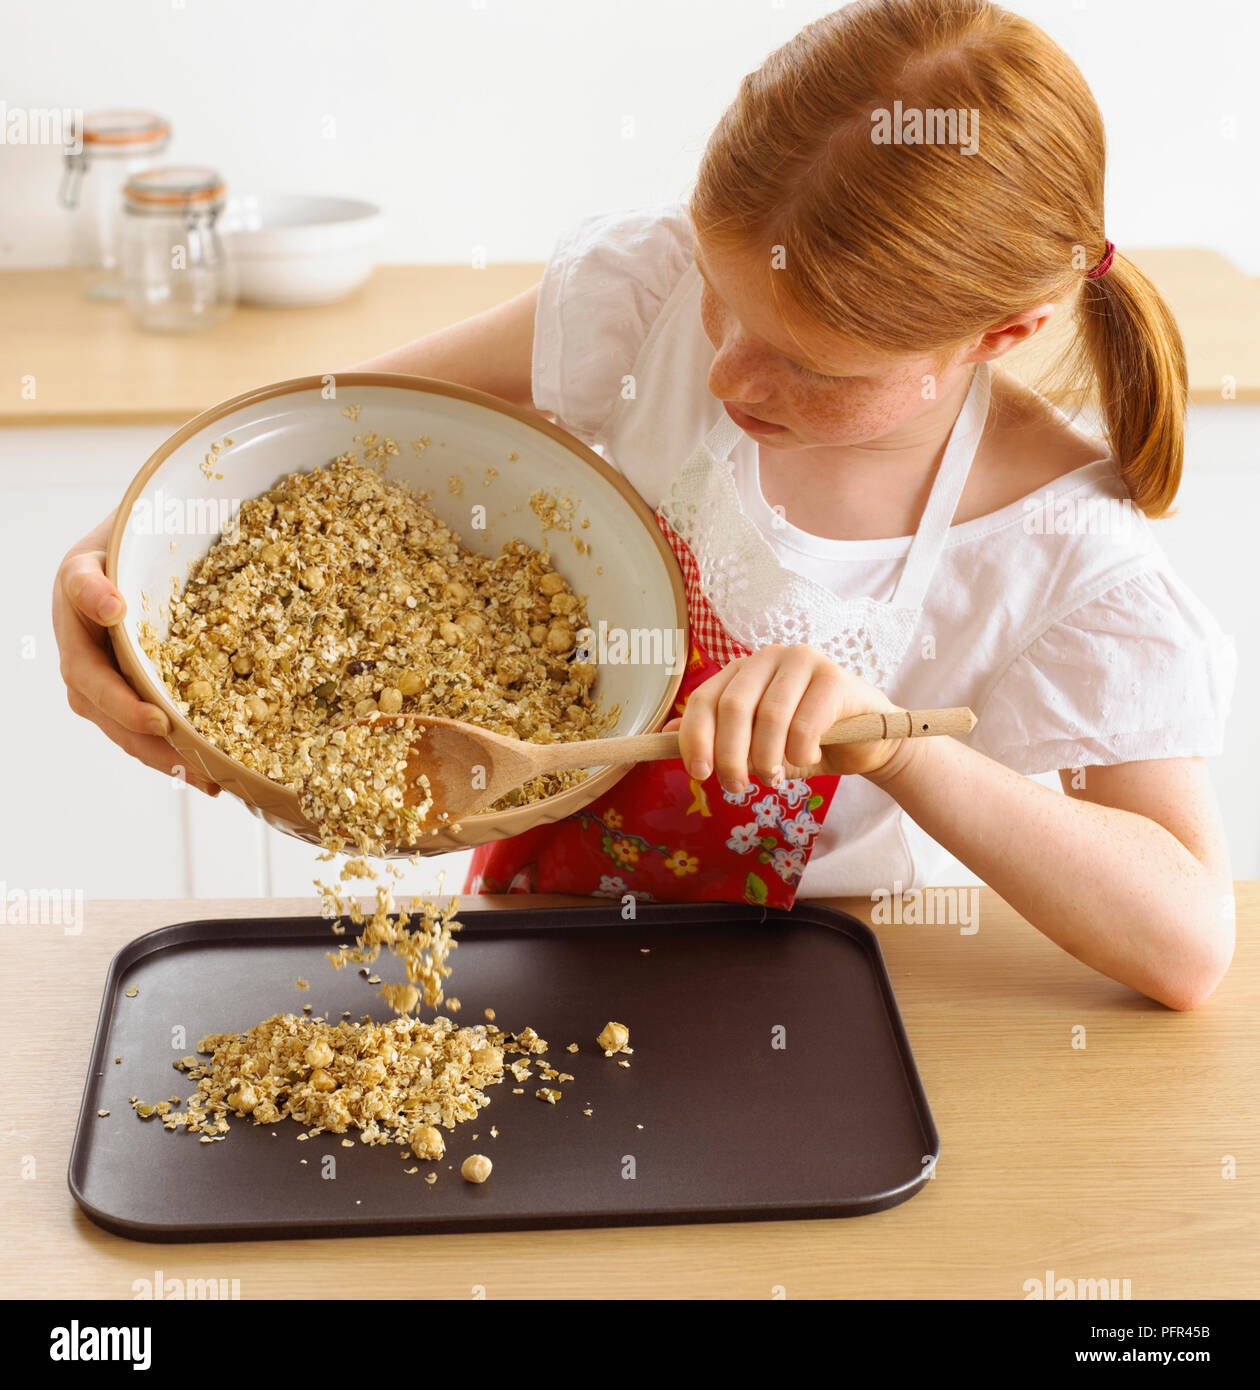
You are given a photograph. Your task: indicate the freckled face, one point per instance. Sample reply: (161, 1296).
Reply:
(824, 391)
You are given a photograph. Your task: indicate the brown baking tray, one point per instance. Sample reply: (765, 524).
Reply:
(832, 1121)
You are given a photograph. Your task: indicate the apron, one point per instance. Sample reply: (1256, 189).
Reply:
(659, 834)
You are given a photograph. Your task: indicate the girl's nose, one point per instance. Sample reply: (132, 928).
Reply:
(734, 376)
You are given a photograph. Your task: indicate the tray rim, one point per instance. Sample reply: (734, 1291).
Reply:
(504, 920)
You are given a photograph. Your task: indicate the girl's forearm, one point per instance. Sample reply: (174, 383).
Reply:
(1115, 889)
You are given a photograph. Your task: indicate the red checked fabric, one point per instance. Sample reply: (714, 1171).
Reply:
(661, 835)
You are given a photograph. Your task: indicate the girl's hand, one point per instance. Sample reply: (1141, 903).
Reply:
(765, 712)
(85, 603)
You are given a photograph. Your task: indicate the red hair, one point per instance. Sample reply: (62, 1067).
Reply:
(921, 247)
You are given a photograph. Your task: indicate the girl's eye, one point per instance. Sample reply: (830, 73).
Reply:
(817, 376)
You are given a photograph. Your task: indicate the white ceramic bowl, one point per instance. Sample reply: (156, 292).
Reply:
(631, 577)
(295, 250)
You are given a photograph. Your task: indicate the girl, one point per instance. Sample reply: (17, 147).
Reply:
(798, 371)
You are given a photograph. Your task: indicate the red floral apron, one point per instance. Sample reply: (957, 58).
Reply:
(661, 835)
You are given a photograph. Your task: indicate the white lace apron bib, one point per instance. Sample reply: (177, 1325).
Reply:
(759, 601)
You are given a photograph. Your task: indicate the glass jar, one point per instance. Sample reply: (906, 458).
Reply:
(177, 276)
(107, 149)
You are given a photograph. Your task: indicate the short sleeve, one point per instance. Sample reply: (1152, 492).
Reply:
(1142, 671)
(601, 291)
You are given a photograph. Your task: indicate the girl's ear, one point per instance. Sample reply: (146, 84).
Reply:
(1012, 331)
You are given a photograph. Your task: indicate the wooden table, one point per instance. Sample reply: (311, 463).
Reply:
(1097, 1161)
(66, 361)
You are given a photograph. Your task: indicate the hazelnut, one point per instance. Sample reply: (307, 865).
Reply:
(475, 1168)
(427, 1142)
(564, 604)
(613, 1038)
(243, 1098)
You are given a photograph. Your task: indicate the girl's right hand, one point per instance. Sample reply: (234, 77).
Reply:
(85, 603)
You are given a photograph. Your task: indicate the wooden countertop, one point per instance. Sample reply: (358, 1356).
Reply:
(1106, 1161)
(90, 365)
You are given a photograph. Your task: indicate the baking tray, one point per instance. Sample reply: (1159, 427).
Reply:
(771, 1075)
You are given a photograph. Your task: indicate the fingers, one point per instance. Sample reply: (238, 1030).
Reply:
(820, 705)
(88, 591)
(699, 722)
(717, 726)
(84, 604)
(90, 674)
(82, 599)
(776, 716)
(763, 713)
(97, 679)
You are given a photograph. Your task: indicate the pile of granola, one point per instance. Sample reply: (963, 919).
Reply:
(394, 1082)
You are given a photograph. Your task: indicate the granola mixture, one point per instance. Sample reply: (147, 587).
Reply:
(394, 1082)
(356, 786)
(341, 594)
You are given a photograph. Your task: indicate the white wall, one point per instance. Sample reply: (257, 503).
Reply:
(494, 123)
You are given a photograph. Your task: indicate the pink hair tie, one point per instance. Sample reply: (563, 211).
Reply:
(1103, 266)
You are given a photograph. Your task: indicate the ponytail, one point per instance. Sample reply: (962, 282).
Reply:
(1128, 343)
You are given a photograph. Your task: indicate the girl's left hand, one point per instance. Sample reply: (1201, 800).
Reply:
(765, 712)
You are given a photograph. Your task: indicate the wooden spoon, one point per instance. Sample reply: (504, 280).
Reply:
(469, 768)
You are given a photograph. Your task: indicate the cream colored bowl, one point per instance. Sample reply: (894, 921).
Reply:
(294, 250)
(298, 425)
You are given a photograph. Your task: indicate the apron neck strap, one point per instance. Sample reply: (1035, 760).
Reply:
(947, 488)
(723, 438)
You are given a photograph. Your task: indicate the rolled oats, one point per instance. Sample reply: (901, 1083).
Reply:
(340, 587)
(399, 1082)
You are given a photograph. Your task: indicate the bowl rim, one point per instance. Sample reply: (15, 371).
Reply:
(263, 789)
(356, 210)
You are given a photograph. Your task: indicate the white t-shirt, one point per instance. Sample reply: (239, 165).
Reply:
(1058, 619)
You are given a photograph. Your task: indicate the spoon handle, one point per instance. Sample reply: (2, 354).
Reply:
(856, 728)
